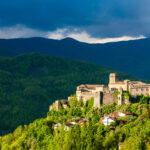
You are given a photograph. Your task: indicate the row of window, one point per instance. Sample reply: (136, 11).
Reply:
(142, 89)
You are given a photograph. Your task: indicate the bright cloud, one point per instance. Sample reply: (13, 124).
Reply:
(20, 31)
(85, 37)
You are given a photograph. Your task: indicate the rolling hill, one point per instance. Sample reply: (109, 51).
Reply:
(131, 56)
(29, 83)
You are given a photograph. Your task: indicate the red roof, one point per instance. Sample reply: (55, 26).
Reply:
(126, 112)
(116, 113)
(68, 124)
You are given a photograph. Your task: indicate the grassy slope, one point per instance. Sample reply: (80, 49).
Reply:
(30, 83)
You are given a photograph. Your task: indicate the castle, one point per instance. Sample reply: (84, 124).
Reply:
(106, 94)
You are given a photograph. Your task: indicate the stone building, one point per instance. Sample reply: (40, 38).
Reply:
(134, 87)
(100, 93)
(105, 94)
(59, 103)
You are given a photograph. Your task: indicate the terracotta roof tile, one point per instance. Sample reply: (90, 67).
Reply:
(127, 113)
(90, 86)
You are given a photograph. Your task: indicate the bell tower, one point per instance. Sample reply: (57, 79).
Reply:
(113, 78)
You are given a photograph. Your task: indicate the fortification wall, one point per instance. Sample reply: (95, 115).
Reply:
(96, 96)
(86, 96)
(105, 98)
(108, 98)
(54, 106)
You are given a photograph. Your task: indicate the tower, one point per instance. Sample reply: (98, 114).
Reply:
(98, 98)
(120, 97)
(113, 78)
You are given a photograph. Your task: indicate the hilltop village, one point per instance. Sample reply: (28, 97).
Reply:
(96, 117)
(117, 91)
(105, 95)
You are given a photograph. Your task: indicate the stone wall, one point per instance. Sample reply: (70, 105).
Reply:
(108, 98)
(97, 99)
(86, 96)
(139, 91)
(54, 106)
(124, 86)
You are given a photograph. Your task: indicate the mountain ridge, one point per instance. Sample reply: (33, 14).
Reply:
(132, 55)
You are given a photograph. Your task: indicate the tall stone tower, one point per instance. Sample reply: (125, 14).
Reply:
(97, 99)
(120, 97)
(113, 78)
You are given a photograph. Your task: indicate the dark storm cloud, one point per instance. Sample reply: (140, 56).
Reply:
(46, 14)
(105, 18)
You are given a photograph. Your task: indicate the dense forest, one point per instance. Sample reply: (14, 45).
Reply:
(29, 83)
(134, 134)
(122, 56)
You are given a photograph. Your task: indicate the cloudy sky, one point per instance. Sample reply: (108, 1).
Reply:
(92, 21)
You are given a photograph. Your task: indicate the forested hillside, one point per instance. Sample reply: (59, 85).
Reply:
(131, 133)
(30, 83)
(131, 56)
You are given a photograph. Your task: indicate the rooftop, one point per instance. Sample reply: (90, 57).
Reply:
(90, 86)
(115, 114)
(118, 82)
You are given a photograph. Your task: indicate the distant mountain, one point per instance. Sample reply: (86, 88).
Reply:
(29, 83)
(130, 56)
